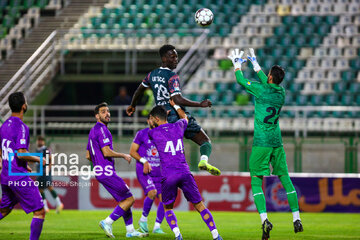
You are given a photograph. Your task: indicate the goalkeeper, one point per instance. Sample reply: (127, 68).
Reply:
(267, 147)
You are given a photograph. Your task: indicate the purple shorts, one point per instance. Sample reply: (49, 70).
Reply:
(26, 193)
(147, 182)
(116, 186)
(184, 181)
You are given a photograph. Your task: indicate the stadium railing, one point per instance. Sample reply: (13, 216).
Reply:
(214, 120)
(39, 68)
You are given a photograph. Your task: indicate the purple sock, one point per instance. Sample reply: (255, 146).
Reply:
(35, 228)
(171, 219)
(128, 219)
(208, 219)
(1, 216)
(117, 213)
(160, 213)
(148, 202)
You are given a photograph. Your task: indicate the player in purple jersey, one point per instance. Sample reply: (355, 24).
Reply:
(168, 139)
(14, 138)
(149, 176)
(100, 152)
(165, 83)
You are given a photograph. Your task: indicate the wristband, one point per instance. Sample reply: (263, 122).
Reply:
(143, 160)
(176, 107)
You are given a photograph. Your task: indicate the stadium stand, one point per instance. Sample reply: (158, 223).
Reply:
(317, 42)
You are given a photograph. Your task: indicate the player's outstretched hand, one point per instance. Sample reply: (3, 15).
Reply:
(236, 58)
(253, 60)
(127, 157)
(205, 103)
(147, 168)
(171, 101)
(130, 110)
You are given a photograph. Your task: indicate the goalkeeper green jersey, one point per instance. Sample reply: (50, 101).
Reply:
(269, 98)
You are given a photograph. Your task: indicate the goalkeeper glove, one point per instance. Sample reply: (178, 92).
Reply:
(253, 60)
(236, 59)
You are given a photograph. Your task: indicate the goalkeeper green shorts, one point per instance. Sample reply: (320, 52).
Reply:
(260, 160)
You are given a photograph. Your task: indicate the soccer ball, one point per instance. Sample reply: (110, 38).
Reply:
(204, 17)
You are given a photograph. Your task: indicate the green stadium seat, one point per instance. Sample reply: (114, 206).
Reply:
(297, 64)
(308, 29)
(301, 100)
(3, 4)
(287, 20)
(339, 87)
(314, 40)
(220, 87)
(286, 40)
(317, 100)
(14, 3)
(214, 98)
(8, 21)
(331, 20)
(316, 20)
(280, 30)
(348, 76)
(347, 99)
(294, 30)
(3, 32)
(227, 98)
(299, 40)
(289, 99)
(41, 3)
(355, 63)
(331, 99)
(354, 88)
(323, 29)
(302, 20)
(28, 3)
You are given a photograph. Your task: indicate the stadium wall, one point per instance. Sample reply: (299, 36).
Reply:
(229, 192)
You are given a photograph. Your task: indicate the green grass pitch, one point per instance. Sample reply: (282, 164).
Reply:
(231, 225)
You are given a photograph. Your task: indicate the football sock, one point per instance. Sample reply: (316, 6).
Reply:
(35, 228)
(130, 228)
(128, 218)
(296, 216)
(160, 213)
(42, 195)
(290, 192)
(157, 225)
(172, 221)
(46, 207)
(115, 215)
(148, 202)
(1, 216)
(53, 193)
(208, 219)
(205, 150)
(58, 201)
(258, 194)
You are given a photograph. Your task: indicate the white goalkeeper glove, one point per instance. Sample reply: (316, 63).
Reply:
(236, 59)
(253, 60)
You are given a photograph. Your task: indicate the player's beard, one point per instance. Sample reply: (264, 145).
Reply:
(104, 121)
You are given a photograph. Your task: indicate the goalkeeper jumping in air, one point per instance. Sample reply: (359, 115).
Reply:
(267, 147)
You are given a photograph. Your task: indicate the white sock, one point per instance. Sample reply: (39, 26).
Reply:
(58, 201)
(46, 207)
(130, 228)
(157, 225)
(214, 233)
(296, 216)
(176, 231)
(263, 217)
(108, 220)
(143, 218)
(204, 157)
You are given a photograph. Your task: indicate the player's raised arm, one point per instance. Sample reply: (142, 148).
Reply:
(108, 152)
(175, 94)
(136, 97)
(256, 66)
(30, 158)
(179, 110)
(251, 87)
(135, 154)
